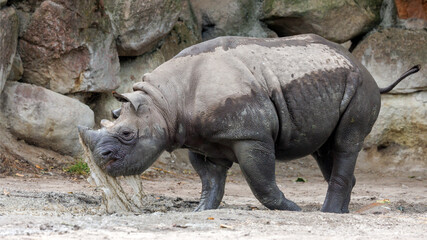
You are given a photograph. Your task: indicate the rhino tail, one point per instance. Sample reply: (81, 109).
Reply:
(411, 71)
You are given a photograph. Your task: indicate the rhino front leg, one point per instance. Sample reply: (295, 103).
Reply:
(213, 180)
(257, 162)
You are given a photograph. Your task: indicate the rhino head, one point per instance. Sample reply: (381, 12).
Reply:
(131, 143)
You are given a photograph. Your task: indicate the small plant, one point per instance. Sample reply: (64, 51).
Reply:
(79, 168)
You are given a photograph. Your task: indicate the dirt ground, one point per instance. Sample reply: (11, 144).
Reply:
(49, 205)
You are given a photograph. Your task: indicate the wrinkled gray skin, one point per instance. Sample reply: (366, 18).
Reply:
(247, 101)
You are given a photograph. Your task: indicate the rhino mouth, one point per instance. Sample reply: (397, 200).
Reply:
(109, 163)
(112, 155)
(114, 164)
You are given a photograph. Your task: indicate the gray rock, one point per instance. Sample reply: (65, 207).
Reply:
(69, 47)
(184, 34)
(8, 41)
(17, 69)
(25, 9)
(44, 118)
(392, 159)
(402, 121)
(13, 148)
(140, 25)
(336, 20)
(131, 71)
(390, 52)
(398, 140)
(228, 17)
(3, 2)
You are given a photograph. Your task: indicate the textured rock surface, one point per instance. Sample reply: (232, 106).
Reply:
(398, 140)
(402, 120)
(24, 9)
(228, 17)
(406, 18)
(390, 52)
(140, 25)
(12, 149)
(337, 20)
(184, 34)
(69, 47)
(8, 41)
(45, 118)
(392, 159)
(131, 71)
(411, 9)
(17, 69)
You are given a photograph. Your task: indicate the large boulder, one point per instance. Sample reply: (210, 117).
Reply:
(8, 41)
(131, 71)
(402, 120)
(184, 34)
(140, 25)
(12, 149)
(229, 17)
(398, 140)
(25, 10)
(44, 118)
(389, 52)
(69, 47)
(336, 20)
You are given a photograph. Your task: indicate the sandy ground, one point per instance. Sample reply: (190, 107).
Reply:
(53, 207)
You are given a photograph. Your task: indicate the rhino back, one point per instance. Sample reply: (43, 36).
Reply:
(306, 79)
(289, 89)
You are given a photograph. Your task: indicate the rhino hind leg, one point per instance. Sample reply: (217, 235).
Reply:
(213, 180)
(341, 183)
(324, 157)
(339, 162)
(257, 162)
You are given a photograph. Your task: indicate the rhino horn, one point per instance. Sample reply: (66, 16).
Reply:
(88, 136)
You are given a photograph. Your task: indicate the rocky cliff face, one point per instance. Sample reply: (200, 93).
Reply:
(60, 59)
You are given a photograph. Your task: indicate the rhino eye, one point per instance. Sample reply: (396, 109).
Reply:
(127, 135)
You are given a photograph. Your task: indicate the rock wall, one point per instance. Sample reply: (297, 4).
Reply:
(8, 42)
(398, 140)
(61, 59)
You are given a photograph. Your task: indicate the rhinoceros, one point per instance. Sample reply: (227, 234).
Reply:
(248, 101)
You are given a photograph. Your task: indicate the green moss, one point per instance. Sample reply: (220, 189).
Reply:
(79, 168)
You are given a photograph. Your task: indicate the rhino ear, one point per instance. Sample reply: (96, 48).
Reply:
(136, 98)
